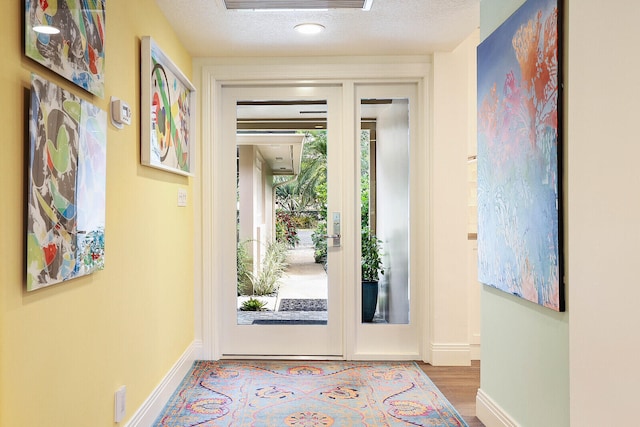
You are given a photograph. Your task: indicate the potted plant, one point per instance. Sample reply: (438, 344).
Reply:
(371, 271)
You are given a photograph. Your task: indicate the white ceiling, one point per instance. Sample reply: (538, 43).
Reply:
(391, 27)
(282, 153)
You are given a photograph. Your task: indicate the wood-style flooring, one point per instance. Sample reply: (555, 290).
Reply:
(459, 384)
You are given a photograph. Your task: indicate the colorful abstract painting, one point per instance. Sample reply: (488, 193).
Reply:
(66, 188)
(77, 51)
(168, 100)
(519, 240)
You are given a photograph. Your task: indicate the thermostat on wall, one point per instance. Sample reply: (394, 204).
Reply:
(120, 113)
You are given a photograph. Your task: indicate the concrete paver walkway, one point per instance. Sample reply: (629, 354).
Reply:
(303, 279)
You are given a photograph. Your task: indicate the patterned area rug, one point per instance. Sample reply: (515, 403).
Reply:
(307, 394)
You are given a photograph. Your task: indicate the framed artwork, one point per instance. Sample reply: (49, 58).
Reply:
(66, 186)
(67, 36)
(168, 113)
(519, 156)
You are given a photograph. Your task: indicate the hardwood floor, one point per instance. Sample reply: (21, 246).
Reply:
(459, 384)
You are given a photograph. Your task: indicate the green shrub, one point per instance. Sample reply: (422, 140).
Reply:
(305, 221)
(286, 231)
(253, 304)
(320, 242)
(371, 257)
(267, 281)
(244, 266)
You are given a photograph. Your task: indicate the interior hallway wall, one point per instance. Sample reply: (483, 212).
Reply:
(455, 297)
(525, 348)
(603, 224)
(66, 348)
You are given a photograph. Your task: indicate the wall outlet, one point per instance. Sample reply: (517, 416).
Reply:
(182, 197)
(120, 404)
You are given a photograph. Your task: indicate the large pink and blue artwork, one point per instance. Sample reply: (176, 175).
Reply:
(519, 188)
(66, 186)
(77, 50)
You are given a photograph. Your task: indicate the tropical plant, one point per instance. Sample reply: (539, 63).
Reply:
(267, 281)
(365, 148)
(318, 237)
(301, 194)
(304, 221)
(371, 257)
(253, 304)
(286, 231)
(243, 269)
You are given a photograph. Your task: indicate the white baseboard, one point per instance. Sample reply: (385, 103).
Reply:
(490, 413)
(475, 352)
(153, 405)
(450, 354)
(475, 345)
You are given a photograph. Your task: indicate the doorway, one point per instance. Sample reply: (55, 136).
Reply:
(348, 337)
(278, 301)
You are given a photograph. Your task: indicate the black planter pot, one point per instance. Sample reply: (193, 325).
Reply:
(369, 300)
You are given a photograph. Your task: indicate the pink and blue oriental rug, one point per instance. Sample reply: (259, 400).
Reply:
(307, 394)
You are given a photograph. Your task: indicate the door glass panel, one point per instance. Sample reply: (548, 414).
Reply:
(282, 213)
(384, 183)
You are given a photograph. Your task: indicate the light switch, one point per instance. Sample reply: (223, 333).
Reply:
(182, 197)
(120, 404)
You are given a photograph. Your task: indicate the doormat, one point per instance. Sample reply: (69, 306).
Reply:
(288, 322)
(303, 305)
(292, 393)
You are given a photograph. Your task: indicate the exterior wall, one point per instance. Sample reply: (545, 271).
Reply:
(65, 349)
(256, 198)
(245, 183)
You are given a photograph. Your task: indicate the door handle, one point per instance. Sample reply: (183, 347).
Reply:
(331, 236)
(335, 219)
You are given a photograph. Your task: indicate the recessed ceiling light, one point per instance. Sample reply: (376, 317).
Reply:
(46, 29)
(309, 28)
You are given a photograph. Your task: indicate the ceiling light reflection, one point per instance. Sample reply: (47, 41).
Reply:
(46, 29)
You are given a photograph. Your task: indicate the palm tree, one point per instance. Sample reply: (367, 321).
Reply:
(302, 194)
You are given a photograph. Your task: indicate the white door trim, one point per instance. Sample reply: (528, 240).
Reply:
(210, 75)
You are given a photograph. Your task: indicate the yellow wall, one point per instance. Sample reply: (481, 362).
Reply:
(65, 349)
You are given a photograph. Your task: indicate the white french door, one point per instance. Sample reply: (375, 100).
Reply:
(260, 337)
(373, 128)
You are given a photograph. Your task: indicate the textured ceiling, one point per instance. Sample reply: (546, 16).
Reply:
(294, 4)
(391, 27)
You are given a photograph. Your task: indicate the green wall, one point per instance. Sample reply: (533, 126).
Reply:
(525, 348)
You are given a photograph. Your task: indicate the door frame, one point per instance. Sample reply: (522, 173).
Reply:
(313, 341)
(210, 76)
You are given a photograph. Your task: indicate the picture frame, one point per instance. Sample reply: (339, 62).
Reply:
(168, 113)
(520, 229)
(66, 202)
(68, 37)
